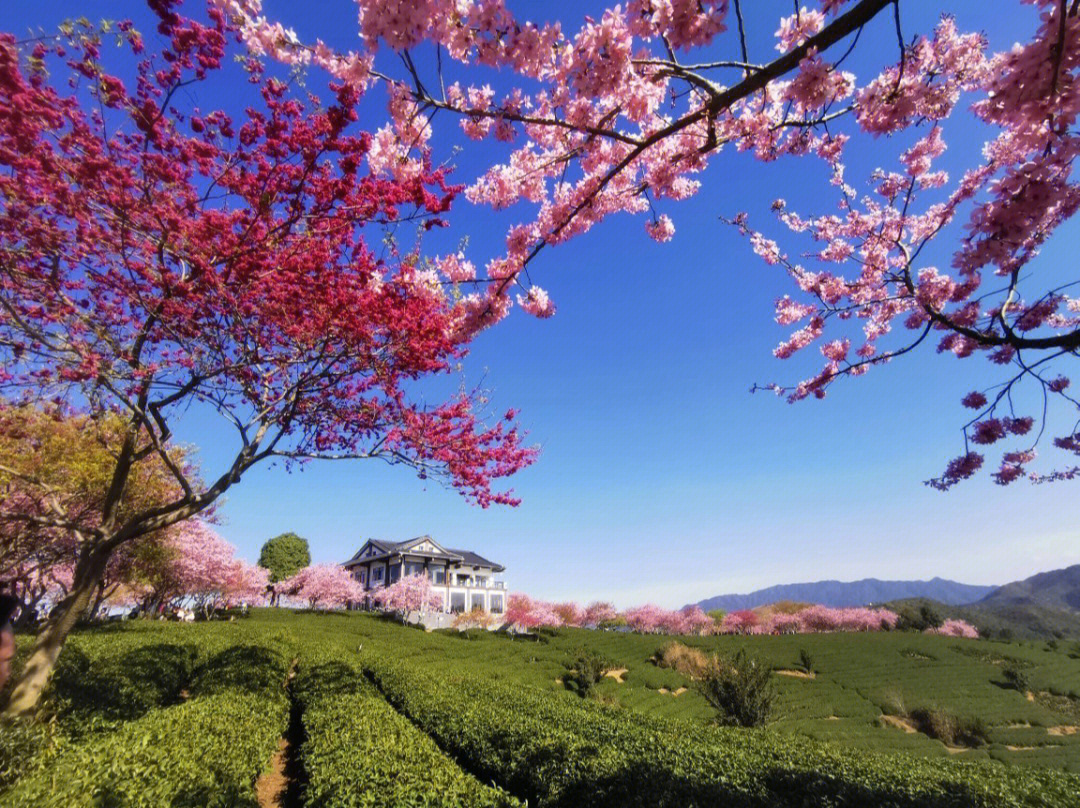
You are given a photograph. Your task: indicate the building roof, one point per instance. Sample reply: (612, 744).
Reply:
(392, 548)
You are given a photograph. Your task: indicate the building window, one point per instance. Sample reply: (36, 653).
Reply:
(478, 600)
(362, 575)
(395, 573)
(457, 602)
(496, 604)
(438, 575)
(376, 574)
(481, 580)
(414, 567)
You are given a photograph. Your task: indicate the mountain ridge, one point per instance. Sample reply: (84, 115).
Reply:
(854, 593)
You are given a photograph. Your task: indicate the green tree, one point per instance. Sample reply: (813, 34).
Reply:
(284, 556)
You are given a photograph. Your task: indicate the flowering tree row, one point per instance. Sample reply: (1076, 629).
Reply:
(524, 612)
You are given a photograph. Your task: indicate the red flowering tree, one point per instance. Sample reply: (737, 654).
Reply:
(329, 586)
(155, 256)
(621, 115)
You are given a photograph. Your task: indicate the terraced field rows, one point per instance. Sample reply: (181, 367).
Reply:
(383, 715)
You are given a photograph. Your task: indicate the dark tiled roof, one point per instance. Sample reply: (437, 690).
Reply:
(393, 547)
(469, 557)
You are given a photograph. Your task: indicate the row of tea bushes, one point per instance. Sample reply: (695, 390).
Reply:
(361, 753)
(560, 751)
(205, 745)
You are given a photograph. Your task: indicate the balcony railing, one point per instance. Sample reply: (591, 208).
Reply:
(469, 584)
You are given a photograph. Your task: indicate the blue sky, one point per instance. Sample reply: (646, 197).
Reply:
(661, 477)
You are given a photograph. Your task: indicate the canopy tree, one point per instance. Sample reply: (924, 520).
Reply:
(156, 256)
(284, 555)
(621, 114)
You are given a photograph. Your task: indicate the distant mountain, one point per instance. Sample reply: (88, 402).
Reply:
(853, 593)
(1057, 589)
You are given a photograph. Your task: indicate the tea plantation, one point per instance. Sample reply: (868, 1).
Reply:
(372, 713)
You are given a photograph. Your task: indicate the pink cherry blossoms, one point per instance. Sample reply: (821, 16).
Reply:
(410, 593)
(956, 628)
(608, 118)
(324, 586)
(526, 613)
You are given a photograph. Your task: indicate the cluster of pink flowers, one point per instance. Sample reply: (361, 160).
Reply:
(956, 628)
(327, 586)
(411, 593)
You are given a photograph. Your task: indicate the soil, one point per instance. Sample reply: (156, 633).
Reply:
(281, 786)
(1063, 730)
(899, 723)
(617, 674)
(797, 674)
(1020, 748)
(832, 718)
(271, 786)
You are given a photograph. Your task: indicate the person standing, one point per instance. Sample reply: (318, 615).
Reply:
(8, 605)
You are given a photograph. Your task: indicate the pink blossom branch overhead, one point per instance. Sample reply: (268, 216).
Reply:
(623, 114)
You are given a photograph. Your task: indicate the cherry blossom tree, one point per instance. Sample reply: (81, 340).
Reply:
(570, 613)
(155, 256)
(197, 563)
(646, 618)
(327, 586)
(525, 613)
(599, 612)
(956, 628)
(622, 114)
(410, 593)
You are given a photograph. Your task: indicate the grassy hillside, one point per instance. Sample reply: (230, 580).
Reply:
(1005, 620)
(1057, 589)
(381, 715)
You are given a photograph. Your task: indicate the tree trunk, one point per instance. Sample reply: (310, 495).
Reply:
(50, 640)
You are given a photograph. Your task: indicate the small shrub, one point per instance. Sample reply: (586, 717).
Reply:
(950, 729)
(921, 619)
(1016, 679)
(1051, 645)
(806, 662)
(740, 689)
(477, 618)
(585, 671)
(692, 663)
(1074, 652)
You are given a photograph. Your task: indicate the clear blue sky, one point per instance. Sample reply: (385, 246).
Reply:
(661, 477)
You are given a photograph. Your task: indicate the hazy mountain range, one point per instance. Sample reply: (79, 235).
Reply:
(853, 593)
(1046, 605)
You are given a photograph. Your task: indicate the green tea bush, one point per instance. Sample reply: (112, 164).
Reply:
(361, 753)
(740, 689)
(21, 740)
(585, 671)
(1016, 678)
(204, 751)
(562, 752)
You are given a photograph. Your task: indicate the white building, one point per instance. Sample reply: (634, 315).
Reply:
(464, 579)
